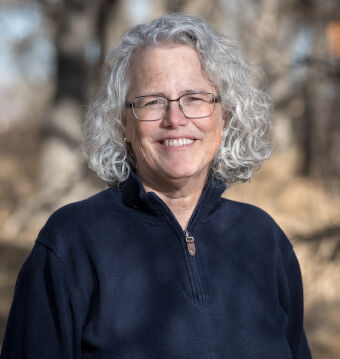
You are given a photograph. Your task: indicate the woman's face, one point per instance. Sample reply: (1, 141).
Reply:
(171, 72)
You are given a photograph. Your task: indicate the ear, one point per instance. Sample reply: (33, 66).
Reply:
(226, 116)
(124, 120)
(224, 120)
(125, 130)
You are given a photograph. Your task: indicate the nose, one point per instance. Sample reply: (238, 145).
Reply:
(174, 116)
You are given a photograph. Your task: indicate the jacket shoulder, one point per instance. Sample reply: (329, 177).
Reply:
(255, 222)
(72, 222)
(246, 210)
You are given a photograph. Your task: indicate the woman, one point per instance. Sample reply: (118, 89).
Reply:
(159, 265)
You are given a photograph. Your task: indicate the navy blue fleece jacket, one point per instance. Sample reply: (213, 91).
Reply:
(111, 277)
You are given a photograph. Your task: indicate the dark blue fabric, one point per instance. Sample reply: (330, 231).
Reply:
(111, 277)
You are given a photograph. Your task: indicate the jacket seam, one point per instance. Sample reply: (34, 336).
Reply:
(59, 261)
(287, 271)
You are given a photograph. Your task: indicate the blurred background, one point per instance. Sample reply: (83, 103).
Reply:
(51, 57)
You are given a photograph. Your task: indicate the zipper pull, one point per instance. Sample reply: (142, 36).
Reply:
(190, 243)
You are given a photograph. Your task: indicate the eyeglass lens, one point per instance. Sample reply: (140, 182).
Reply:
(152, 108)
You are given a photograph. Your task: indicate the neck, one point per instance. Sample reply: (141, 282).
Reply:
(180, 195)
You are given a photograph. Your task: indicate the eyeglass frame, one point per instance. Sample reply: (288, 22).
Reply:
(216, 99)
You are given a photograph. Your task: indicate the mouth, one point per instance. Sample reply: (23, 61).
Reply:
(176, 142)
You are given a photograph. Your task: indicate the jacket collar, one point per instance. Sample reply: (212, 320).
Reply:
(134, 195)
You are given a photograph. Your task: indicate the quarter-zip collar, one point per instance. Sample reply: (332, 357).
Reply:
(134, 195)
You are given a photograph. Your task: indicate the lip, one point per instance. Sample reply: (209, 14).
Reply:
(162, 139)
(176, 148)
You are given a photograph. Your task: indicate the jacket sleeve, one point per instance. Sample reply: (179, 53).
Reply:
(41, 321)
(295, 333)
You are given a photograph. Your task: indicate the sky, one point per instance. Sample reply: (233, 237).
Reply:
(25, 50)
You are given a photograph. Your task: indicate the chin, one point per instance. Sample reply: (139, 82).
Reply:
(181, 172)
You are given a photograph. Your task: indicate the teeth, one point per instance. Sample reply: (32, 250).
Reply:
(178, 142)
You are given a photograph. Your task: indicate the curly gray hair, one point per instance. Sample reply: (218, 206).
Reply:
(246, 141)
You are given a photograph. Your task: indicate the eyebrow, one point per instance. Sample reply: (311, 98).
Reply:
(184, 92)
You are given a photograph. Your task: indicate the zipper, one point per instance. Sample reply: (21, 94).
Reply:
(190, 243)
(193, 270)
(190, 253)
(198, 294)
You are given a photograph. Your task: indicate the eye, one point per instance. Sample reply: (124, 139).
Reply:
(152, 103)
(193, 99)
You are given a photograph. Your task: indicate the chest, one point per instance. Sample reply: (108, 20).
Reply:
(150, 295)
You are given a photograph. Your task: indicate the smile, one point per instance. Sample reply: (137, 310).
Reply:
(177, 142)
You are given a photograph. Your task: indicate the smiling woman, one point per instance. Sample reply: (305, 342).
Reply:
(246, 141)
(160, 265)
(175, 151)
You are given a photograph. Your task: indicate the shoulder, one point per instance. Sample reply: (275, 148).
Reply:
(82, 212)
(246, 211)
(254, 223)
(70, 225)
(86, 207)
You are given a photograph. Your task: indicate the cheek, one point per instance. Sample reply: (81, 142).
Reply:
(139, 134)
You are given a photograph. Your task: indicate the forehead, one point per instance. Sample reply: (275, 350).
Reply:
(168, 68)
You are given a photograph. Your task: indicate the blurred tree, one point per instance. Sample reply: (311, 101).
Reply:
(320, 130)
(288, 39)
(78, 29)
(79, 33)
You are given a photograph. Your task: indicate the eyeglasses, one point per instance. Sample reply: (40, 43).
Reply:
(192, 105)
